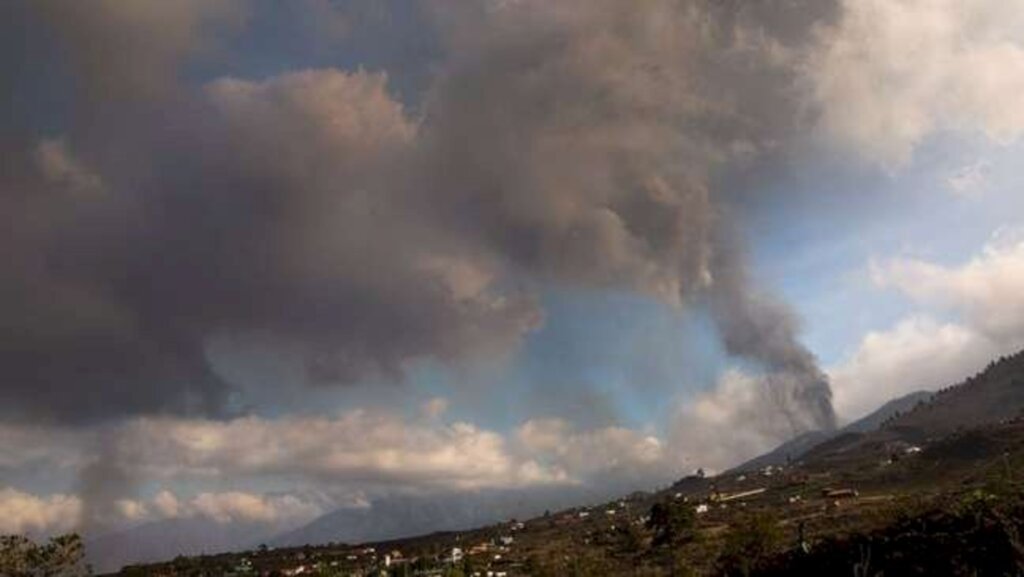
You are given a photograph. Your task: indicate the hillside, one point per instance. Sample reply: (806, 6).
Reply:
(168, 539)
(409, 515)
(994, 395)
(794, 449)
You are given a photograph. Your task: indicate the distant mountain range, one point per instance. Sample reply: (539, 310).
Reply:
(410, 515)
(387, 518)
(169, 538)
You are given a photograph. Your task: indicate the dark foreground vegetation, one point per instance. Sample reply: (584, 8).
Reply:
(62, 556)
(979, 534)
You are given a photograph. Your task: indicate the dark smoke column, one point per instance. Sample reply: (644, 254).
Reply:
(757, 326)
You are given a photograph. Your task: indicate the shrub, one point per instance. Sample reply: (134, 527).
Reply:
(62, 556)
(749, 543)
(672, 523)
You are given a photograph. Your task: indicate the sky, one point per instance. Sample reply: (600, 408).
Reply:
(265, 260)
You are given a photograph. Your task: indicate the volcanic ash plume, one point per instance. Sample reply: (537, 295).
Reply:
(760, 328)
(576, 142)
(580, 141)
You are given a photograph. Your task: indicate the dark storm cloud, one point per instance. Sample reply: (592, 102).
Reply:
(133, 50)
(569, 142)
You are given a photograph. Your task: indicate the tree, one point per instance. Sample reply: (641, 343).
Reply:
(62, 556)
(749, 543)
(672, 523)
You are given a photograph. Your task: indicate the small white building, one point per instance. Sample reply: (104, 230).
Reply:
(456, 555)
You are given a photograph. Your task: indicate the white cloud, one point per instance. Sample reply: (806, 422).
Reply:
(970, 181)
(985, 296)
(919, 353)
(383, 452)
(605, 452)
(311, 120)
(131, 509)
(236, 506)
(434, 408)
(22, 512)
(361, 447)
(25, 444)
(60, 167)
(987, 291)
(727, 424)
(223, 507)
(893, 72)
(352, 456)
(166, 504)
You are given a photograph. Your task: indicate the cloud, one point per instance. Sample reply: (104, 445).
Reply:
(59, 167)
(613, 122)
(919, 353)
(970, 181)
(235, 506)
(131, 510)
(25, 513)
(290, 211)
(25, 445)
(600, 455)
(434, 408)
(330, 461)
(727, 424)
(984, 295)
(359, 448)
(166, 504)
(311, 213)
(890, 73)
(987, 291)
(133, 50)
(379, 453)
(280, 509)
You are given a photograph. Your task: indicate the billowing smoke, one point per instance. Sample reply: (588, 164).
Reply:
(580, 141)
(101, 484)
(575, 143)
(757, 326)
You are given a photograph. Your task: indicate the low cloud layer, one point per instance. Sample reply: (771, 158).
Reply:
(232, 507)
(330, 462)
(25, 513)
(22, 512)
(381, 451)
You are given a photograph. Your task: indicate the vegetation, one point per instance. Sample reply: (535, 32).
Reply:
(749, 543)
(979, 535)
(62, 556)
(672, 523)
